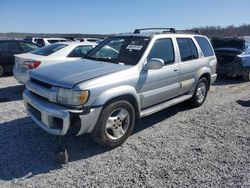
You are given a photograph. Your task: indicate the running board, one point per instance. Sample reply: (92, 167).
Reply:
(159, 107)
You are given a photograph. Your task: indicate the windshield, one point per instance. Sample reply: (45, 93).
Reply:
(48, 50)
(127, 50)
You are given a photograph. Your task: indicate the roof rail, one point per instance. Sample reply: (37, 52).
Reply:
(171, 30)
(189, 31)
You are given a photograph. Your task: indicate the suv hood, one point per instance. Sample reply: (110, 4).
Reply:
(68, 74)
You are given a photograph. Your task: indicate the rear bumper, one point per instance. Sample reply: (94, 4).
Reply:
(56, 119)
(21, 77)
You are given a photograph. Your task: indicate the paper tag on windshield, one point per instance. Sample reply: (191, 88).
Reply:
(134, 47)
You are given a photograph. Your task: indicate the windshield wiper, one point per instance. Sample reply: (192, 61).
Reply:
(102, 59)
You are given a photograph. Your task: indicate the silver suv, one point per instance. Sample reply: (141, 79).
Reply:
(124, 78)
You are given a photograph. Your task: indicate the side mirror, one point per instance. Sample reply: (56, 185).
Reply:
(154, 63)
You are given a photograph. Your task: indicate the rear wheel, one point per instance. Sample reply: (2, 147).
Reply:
(246, 77)
(200, 93)
(115, 124)
(1, 71)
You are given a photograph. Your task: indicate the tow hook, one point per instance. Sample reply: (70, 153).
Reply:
(61, 154)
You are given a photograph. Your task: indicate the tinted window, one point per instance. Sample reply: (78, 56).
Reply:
(40, 42)
(205, 46)
(53, 41)
(187, 49)
(124, 49)
(80, 51)
(163, 49)
(47, 50)
(29, 46)
(9, 46)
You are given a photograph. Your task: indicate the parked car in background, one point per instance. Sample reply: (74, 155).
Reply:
(89, 40)
(46, 41)
(233, 56)
(54, 53)
(137, 75)
(8, 48)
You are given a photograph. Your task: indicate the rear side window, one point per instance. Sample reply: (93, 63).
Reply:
(48, 50)
(40, 42)
(205, 46)
(80, 51)
(162, 49)
(188, 50)
(11, 46)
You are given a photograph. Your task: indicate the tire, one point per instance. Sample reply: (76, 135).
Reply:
(246, 77)
(1, 71)
(115, 124)
(200, 93)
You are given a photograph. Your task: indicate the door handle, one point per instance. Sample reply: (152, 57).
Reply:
(176, 69)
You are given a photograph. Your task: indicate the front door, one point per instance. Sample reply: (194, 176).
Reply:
(162, 84)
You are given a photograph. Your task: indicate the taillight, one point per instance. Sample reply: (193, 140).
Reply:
(33, 64)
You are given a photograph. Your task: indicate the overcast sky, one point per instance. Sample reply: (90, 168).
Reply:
(115, 16)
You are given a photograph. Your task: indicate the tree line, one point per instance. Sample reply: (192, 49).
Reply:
(209, 31)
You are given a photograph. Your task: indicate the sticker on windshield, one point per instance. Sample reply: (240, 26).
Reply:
(134, 47)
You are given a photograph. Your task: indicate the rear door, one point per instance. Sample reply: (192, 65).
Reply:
(162, 84)
(7, 51)
(189, 63)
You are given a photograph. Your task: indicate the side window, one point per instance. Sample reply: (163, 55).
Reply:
(11, 46)
(80, 51)
(205, 46)
(188, 50)
(40, 42)
(162, 49)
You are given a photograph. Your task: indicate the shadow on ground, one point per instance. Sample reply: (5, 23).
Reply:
(244, 103)
(225, 80)
(27, 150)
(11, 93)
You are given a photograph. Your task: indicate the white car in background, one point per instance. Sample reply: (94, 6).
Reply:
(54, 53)
(45, 41)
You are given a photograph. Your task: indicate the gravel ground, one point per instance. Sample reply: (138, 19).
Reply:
(178, 147)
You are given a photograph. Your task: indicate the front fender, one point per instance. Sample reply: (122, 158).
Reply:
(117, 92)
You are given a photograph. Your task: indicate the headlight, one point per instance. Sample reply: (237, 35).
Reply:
(71, 97)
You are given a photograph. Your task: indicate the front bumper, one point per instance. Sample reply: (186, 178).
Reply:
(21, 77)
(56, 119)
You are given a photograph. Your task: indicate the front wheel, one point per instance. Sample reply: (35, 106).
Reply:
(115, 124)
(200, 93)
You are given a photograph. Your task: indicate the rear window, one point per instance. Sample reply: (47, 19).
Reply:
(29, 46)
(205, 46)
(48, 50)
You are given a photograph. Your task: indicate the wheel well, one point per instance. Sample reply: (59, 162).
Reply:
(208, 77)
(130, 98)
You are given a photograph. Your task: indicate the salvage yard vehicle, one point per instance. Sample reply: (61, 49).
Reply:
(45, 41)
(233, 56)
(104, 94)
(8, 48)
(54, 53)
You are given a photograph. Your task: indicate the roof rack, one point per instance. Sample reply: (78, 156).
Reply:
(171, 30)
(189, 31)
